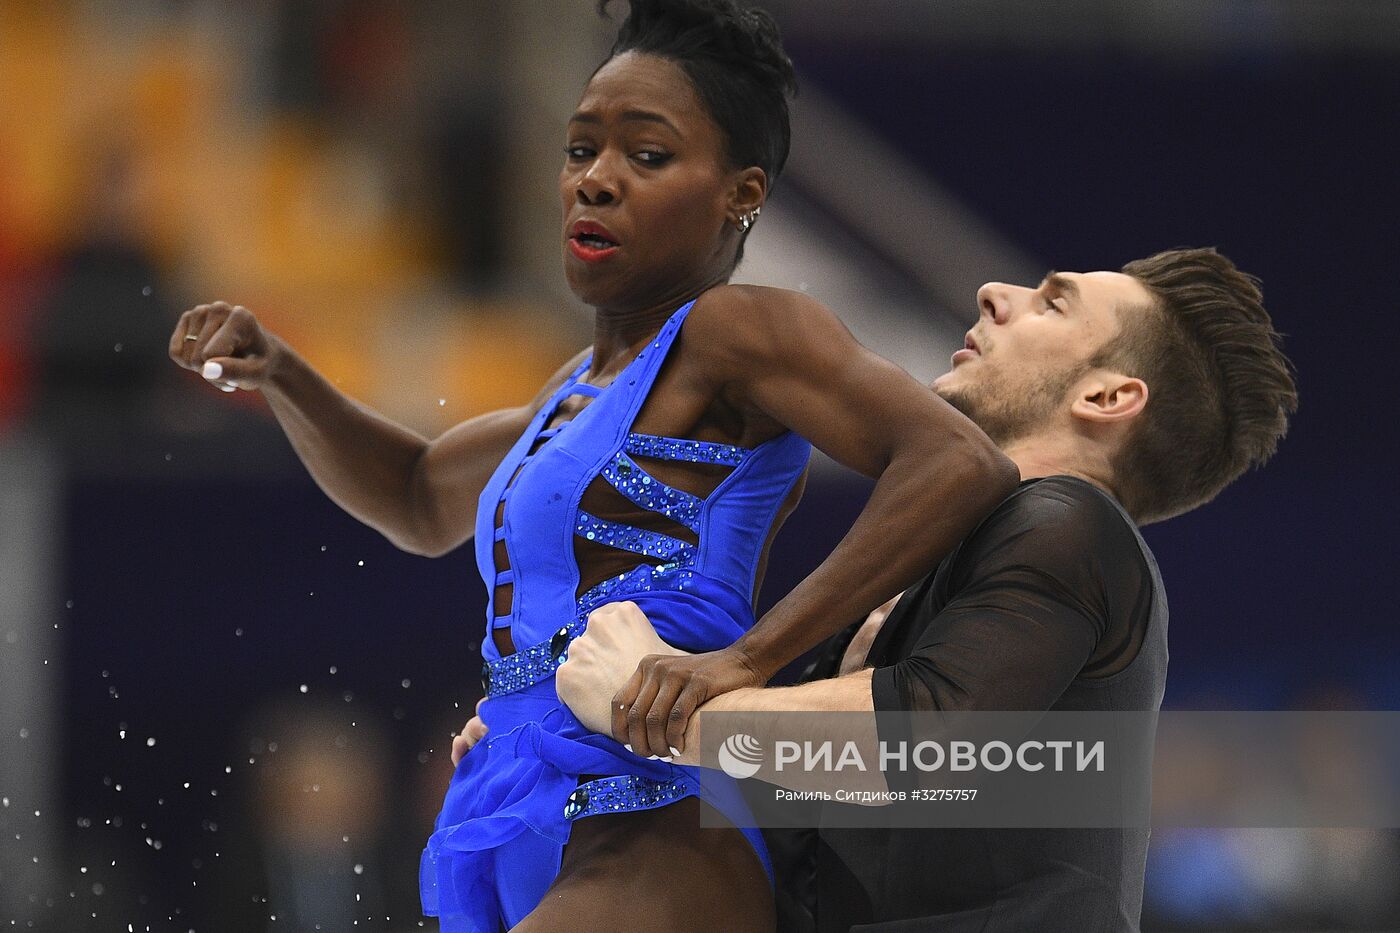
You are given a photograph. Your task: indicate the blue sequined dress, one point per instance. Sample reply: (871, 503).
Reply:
(514, 797)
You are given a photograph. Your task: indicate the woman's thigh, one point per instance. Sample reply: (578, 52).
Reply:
(656, 869)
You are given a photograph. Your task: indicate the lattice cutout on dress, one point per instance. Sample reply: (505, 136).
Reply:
(504, 585)
(650, 522)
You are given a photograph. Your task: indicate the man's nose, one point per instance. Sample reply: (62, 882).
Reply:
(994, 301)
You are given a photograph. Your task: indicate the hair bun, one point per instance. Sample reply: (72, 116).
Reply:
(742, 37)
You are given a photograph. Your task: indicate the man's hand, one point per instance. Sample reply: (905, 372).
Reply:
(474, 731)
(621, 679)
(618, 638)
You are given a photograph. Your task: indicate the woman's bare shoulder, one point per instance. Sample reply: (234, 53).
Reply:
(755, 322)
(726, 301)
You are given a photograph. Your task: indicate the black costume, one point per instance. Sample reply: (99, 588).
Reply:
(1054, 602)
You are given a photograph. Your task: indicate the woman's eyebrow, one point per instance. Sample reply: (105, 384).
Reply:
(634, 116)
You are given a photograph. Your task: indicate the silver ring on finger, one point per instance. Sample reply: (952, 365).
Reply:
(191, 336)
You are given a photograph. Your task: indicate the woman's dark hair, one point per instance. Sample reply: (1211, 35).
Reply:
(734, 57)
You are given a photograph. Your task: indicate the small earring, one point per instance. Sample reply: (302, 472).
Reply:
(746, 221)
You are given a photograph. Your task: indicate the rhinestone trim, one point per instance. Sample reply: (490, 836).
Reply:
(529, 666)
(538, 662)
(643, 579)
(675, 448)
(636, 540)
(643, 489)
(621, 793)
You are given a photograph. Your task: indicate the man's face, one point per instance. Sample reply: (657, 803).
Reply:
(1031, 346)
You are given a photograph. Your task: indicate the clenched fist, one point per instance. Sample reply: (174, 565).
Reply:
(226, 344)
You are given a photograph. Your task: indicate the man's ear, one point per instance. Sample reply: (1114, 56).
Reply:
(1108, 397)
(750, 190)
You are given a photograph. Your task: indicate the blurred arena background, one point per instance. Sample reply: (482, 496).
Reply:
(225, 706)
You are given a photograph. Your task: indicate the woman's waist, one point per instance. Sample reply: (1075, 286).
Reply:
(537, 703)
(533, 725)
(520, 741)
(688, 609)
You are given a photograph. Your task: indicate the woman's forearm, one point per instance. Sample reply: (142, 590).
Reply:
(931, 495)
(363, 461)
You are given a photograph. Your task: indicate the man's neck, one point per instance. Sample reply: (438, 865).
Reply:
(1038, 457)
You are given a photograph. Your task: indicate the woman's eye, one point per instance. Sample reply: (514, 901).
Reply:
(578, 152)
(652, 157)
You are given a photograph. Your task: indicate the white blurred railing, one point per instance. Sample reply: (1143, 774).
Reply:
(30, 519)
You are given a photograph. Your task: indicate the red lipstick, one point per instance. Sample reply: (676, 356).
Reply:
(591, 241)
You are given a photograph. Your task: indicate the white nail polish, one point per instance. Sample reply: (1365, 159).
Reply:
(226, 389)
(628, 747)
(212, 370)
(675, 751)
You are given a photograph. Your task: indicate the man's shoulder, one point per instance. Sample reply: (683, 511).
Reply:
(1057, 500)
(1065, 513)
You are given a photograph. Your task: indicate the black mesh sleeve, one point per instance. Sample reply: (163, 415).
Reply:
(1052, 586)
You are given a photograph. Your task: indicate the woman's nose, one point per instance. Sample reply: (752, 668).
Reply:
(596, 186)
(592, 194)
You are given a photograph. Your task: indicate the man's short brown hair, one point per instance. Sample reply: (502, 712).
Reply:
(1220, 390)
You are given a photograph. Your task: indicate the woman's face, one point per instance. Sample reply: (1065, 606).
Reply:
(648, 196)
